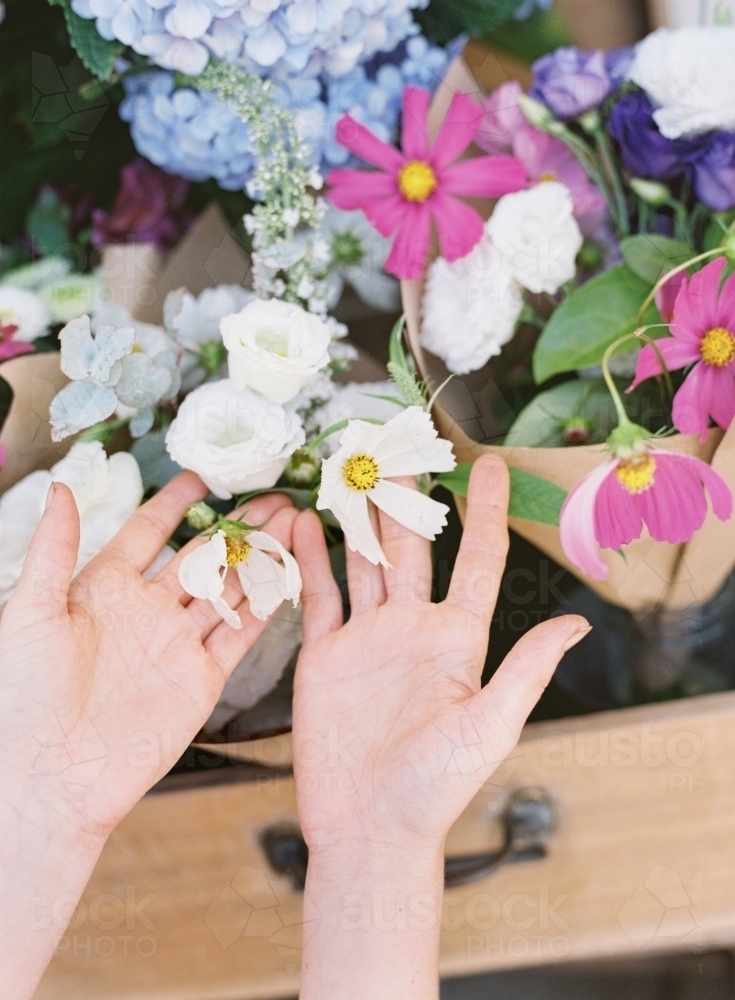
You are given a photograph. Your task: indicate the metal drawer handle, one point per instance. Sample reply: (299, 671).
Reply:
(528, 822)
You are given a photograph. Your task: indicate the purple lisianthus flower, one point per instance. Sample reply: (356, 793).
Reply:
(149, 208)
(713, 167)
(643, 150)
(571, 81)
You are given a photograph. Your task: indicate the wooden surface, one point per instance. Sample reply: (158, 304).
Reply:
(641, 862)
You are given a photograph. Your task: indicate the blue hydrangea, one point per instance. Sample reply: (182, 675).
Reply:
(196, 135)
(270, 34)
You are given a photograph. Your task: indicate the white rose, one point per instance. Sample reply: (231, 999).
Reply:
(234, 441)
(537, 236)
(470, 309)
(275, 348)
(107, 492)
(23, 310)
(690, 74)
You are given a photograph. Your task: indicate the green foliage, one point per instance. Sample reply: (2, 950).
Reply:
(542, 423)
(531, 497)
(591, 318)
(533, 37)
(650, 256)
(443, 20)
(97, 54)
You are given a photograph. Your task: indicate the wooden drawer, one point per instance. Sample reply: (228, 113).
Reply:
(184, 905)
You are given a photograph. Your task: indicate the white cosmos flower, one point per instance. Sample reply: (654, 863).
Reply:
(356, 400)
(370, 456)
(689, 73)
(266, 582)
(234, 441)
(470, 308)
(537, 236)
(24, 311)
(107, 491)
(275, 347)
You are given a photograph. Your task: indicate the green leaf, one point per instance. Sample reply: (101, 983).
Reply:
(541, 424)
(650, 255)
(444, 20)
(97, 54)
(535, 499)
(531, 497)
(396, 353)
(589, 320)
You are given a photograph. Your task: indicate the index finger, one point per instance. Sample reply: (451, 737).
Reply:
(484, 546)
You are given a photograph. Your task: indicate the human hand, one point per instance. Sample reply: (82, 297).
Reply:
(106, 678)
(393, 734)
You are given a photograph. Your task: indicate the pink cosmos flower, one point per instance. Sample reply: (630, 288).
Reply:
(417, 185)
(703, 335)
(10, 348)
(504, 129)
(665, 297)
(662, 489)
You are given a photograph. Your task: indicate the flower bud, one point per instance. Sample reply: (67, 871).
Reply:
(728, 245)
(590, 121)
(537, 114)
(303, 467)
(652, 192)
(576, 431)
(201, 516)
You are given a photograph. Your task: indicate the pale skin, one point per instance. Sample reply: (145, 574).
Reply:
(392, 735)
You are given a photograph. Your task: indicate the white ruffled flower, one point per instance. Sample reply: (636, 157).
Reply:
(358, 254)
(22, 313)
(38, 274)
(275, 347)
(73, 296)
(537, 236)
(470, 308)
(200, 316)
(690, 74)
(266, 582)
(369, 456)
(107, 492)
(355, 401)
(234, 441)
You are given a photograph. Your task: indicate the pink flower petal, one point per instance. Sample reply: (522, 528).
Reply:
(358, 185)
(691, 403)
(414, 139)
(726, 305)
(617, 518)
(720, 493)
(675, 506)
(457, 131)
(484, 177)
(411, 245)
(577, 524)
(361, 141)
(676, 354)
(666, 296)
(460, 227)
(12, 348)
(386, 214)
(722, 396)
(501, 120)
(695, 309)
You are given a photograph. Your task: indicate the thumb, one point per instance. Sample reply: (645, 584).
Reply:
(52, 555)
(501, 708)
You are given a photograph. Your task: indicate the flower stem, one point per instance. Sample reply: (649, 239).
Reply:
(670, 274)
(611, 168)
(639, 334)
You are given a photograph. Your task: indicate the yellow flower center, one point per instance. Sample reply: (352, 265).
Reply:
(547, 175)
(360, 472)
(717, 347)
(416, 180)
(636, 473)
(238, 550)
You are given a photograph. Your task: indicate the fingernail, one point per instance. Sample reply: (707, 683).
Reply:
(50, 495)
(577, 637)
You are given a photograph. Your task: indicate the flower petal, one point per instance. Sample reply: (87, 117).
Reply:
(361, 141)
(412, 509)
(617, 518)
(351, 510)
(457, 131)
(350, 188)
(692, 402)
(719, 492)
(695, 309)
(484, 177)
(267, 543)
(412, 446)
(675, 506)
(414, 140)
(722, 397)
(726, 305)
(676, 354)
(577, 524)
(411, 245)
(263, 581)
(460, 227)
(200, 571)
(386, 214)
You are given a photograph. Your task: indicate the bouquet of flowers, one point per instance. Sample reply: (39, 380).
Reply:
(582, 298)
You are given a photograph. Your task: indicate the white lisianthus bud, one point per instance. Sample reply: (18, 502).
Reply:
(234, 441)
(536, 113)
(275, 347)
(652, 192)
